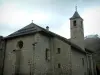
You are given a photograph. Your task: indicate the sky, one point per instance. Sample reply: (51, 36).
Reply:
(16, 14)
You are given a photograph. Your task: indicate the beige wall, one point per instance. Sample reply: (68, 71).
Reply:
(33, 56)
(63, 58)
(51, 67)
(26, 54)
(77, 65)
(42, 66)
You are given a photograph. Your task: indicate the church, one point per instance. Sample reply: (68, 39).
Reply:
(34, 50)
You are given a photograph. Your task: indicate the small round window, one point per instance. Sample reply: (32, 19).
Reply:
(20, 44)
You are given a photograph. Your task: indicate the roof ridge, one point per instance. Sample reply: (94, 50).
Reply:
(26, 29)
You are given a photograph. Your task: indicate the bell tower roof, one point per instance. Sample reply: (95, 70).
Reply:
(75, 15)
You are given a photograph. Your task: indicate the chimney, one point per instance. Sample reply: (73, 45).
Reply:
(47, 28)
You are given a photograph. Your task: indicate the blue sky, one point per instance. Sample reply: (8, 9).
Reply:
(15, 14)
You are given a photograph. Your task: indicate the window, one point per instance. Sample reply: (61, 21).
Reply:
(20, 44)
(47, 54)
(74, 22)
(58, 50)
(59, 66)
(83, 61)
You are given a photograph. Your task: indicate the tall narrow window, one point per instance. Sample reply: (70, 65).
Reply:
(59, 66)
(74, 22)
(47, 54)
(58, 50)
(83, 61)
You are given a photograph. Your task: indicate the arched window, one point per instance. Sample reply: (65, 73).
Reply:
(74, 23)
(47, 54)
(20, 44)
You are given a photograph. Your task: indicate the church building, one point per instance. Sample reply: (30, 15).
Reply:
(34, 50)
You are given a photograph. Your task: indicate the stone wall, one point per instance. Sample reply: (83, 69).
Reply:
(2, 49)
(62, 59)
(11, 55)
(79, 63)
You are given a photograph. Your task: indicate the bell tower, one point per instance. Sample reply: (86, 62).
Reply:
(77, 29)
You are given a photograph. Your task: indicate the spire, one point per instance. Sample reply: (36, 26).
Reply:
(32, 21)
(76, 15)
(75, 8)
